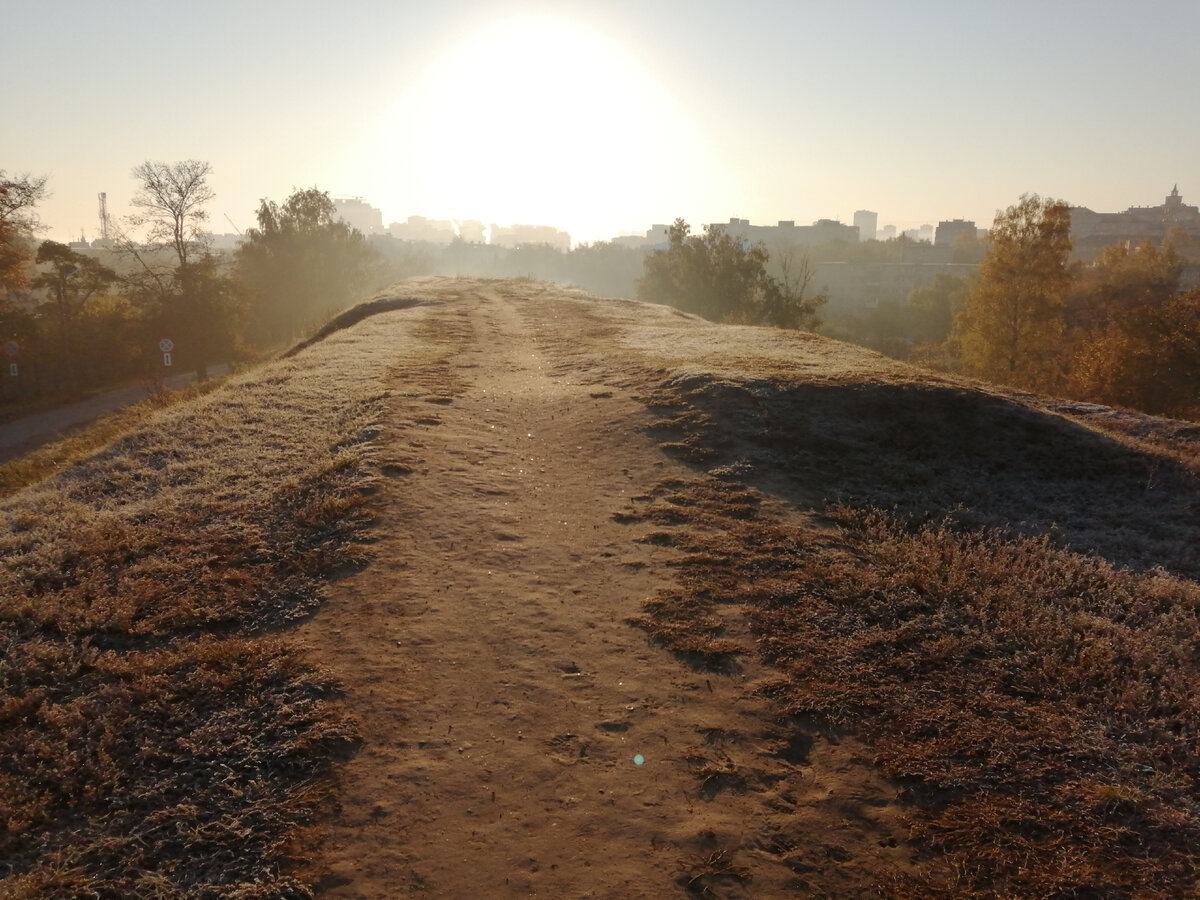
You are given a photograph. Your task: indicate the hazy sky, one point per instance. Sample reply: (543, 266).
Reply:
(604, 117)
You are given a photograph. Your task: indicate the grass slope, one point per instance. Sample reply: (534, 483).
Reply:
(999, 599)
(158, 739)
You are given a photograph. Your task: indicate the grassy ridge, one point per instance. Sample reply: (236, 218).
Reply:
(45, 461)
(158, 741)
(1040, 704)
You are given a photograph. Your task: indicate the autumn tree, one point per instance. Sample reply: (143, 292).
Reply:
(1122, 279)
(19, 194)
(179, 277)
(301, 264)
(1148, 359)
(1010, 329)
(1135, 341)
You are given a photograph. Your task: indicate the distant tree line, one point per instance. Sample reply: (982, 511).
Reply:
(1117, 331)
(71, 321)
(77, 320)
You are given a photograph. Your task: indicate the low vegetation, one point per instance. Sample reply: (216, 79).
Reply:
(1031, 686)
(160, 737)
(40, 464)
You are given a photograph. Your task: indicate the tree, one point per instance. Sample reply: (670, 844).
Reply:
(1121, 280)
(190, 301)
(1136, 342)
(171, 201)
(1149, 359)
(70, 280)
(300, 264)
(932, 307)
(1012, 324)
(19, 194)
(791, 302)
(606, 268)
(719, 277)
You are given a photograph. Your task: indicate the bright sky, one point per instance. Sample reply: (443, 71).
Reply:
(605, 117)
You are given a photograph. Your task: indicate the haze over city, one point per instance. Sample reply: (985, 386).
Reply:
(602, 118)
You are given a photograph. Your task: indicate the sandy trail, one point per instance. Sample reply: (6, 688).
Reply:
(521, 738)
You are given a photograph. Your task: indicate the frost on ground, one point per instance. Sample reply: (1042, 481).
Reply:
(506, 590)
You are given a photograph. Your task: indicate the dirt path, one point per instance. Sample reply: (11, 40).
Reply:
(521, 738)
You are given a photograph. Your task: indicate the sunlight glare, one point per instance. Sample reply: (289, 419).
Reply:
(537, 121)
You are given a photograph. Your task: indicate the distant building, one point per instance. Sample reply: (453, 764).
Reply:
(419, 228)
(1093, 231)
(473, 231)
(822, 231)
(867, 223)
(516, 235)
(887, 233)
(658, 235)
(949, 232)
(655, 236)
(357, 213)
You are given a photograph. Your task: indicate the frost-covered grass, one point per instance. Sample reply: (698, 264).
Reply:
(1001, 602)
(159, 736)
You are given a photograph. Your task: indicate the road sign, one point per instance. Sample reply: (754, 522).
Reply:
(166, 357)
(11, 349)
(166, 345)
(12, 369)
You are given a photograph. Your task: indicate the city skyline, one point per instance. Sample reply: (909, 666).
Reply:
(601, 119)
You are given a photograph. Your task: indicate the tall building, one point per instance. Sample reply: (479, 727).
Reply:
(867, 223)
(949, 232)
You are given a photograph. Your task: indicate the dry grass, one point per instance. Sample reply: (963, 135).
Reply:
(928, 451)
(157, 740)
(1044, 707)
(1018, 636)
(703, 874)
(44, 462)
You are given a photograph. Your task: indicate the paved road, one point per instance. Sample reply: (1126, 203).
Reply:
(27, 434)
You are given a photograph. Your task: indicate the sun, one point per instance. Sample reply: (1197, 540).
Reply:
(534, 120)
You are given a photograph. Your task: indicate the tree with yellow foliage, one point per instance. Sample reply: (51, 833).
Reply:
(1011, 328)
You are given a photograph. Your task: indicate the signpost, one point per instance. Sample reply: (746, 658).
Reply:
(166, 345)
(11, 350)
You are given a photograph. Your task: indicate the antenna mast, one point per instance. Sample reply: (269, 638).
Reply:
(104, 215)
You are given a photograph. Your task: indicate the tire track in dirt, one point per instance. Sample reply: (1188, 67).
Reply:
(521, 738)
